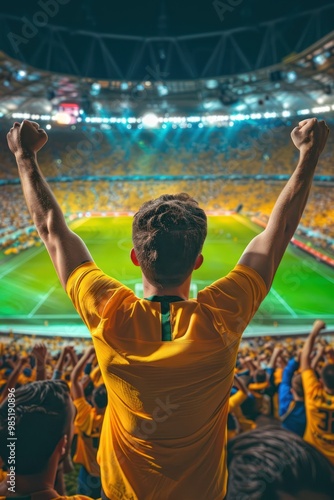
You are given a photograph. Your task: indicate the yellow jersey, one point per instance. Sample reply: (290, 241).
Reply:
(168, 366)
(88, 423)
(319, 407)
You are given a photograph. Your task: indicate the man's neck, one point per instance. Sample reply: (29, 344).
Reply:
(181, 291)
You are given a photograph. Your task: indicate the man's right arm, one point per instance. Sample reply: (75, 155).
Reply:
(266, 250)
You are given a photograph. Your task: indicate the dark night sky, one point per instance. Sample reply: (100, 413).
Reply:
(140, 17)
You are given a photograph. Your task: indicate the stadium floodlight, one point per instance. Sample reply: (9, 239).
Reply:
(286, 114)
(62, 118)
(124, 86)
(95, 89)
(20, 75)
(291, 76)
(48, 126)
(162, 90)
(321, 109)
(320, 59)
(212, 84)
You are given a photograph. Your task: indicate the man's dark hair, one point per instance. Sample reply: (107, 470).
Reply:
(168, 235)
(327, 375)
(260, 376)
(269, 460)
(297, 385)
(42, 417)
(100, 399)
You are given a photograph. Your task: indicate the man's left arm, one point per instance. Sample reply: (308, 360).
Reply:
(66, 249)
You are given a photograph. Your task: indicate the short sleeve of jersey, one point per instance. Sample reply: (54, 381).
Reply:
(236, 400)
(311, 383)
(90, 289)
(83, 418)
(238, 296)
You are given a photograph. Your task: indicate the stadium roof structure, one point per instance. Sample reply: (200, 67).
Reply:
(230, 80)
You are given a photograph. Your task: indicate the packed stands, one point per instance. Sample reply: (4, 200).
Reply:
(268, 388)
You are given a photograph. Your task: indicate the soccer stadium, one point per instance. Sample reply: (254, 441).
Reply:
(140, 101)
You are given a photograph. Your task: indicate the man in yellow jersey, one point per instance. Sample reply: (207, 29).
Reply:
(319, 398)
(36, 428)
(167, 361)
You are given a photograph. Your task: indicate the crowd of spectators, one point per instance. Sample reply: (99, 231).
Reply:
(286, 383)
(242, 150)
(257, 198)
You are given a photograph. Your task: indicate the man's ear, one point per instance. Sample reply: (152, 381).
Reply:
(134, 257)
(62, 445)
(198, 262)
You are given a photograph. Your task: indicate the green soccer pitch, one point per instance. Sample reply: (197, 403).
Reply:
(32, 300)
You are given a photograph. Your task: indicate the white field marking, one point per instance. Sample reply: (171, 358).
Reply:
(38, 250)
(302, 316)
(77, 223)
(246, 223)
(42, 300)
(284, 303)
(331, 280)
(42, 316)
(22, 261)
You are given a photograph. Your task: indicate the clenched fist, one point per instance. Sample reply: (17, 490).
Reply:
(310, 135)
(26, 138)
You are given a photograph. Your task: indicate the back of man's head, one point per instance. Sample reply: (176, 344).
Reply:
(168, 235)
(260, 376)
(327, 376)
(43, 416)
(100, 399)
(297, 385)
(271, 463)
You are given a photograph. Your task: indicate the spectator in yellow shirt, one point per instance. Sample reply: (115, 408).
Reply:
(319, 398)
(88, 421)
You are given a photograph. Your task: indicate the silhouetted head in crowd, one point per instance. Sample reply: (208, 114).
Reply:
(297, 386)
(260, 376)
(270, 463)
(327, 376)
(168, 235)
(44, 415)
(100, 399)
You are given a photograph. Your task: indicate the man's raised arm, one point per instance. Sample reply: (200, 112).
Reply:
(66, 249)
(265, 251)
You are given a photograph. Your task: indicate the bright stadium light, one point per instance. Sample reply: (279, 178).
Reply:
(95, 89)
(212, 84)
(291, 76)
(62, 118)
(162, 90)
(150, 120)
(320, 59)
